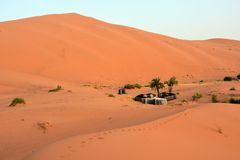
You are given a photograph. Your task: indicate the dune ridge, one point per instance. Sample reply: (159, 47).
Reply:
(75, 48)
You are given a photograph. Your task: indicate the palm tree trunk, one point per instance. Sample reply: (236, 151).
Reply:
(158, 92)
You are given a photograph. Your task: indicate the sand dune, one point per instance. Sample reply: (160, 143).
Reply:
(75, 48)
(91, 59)
(207, 132)
(84, 110)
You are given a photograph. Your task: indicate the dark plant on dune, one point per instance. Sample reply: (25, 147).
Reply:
(228, 78)
(214, 98)
(196, 96)
(170, 83)
(138, 86)
(111, 95)
(56, 89)
(156, 84)
(132, 86)
(234, 101)
(238, 77)
(16, 101)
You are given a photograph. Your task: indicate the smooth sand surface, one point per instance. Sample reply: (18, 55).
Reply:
(83, 110)
(91, 59)
(87, 111)
(74, 48)
(207, 132)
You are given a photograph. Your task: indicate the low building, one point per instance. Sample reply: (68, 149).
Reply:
(150, 99)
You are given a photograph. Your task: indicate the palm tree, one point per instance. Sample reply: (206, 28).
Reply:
(170, 83)
(156, 84)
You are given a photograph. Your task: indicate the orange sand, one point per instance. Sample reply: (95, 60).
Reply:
(207, 132)
(91, 59)
(75, 48)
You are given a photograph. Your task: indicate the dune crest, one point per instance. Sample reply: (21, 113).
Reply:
(74, 48)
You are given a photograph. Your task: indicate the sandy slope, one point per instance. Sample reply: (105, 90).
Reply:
(75, 48)
(87, 109)
(82, 111)
(91, 58)
(207, 132)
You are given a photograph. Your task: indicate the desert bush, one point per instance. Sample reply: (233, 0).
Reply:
(129, 86)
(56, 89)
(214, 98)
(238, 77)
(16, 101)
(201, 81)
(232, 89)
(132, 86)
(228, 78)
(196, 96)
(111, 95)
(147, 85)
(234, 101)
(138, 86)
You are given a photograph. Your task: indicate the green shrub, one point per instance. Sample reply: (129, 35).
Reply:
(238, 76)
(232, 89)
(132, 86)
(111, 95)
(56, 89)
(138, 86)
(129, 86)
(214, 98)
(16, 101)
(147, 85)
(234, 101)
(196, 96)
(228, 78)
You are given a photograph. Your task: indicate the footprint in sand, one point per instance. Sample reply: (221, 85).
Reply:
(106, 133)
(70, 148)
(100, 138)
(62, 156)
(90, 139)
